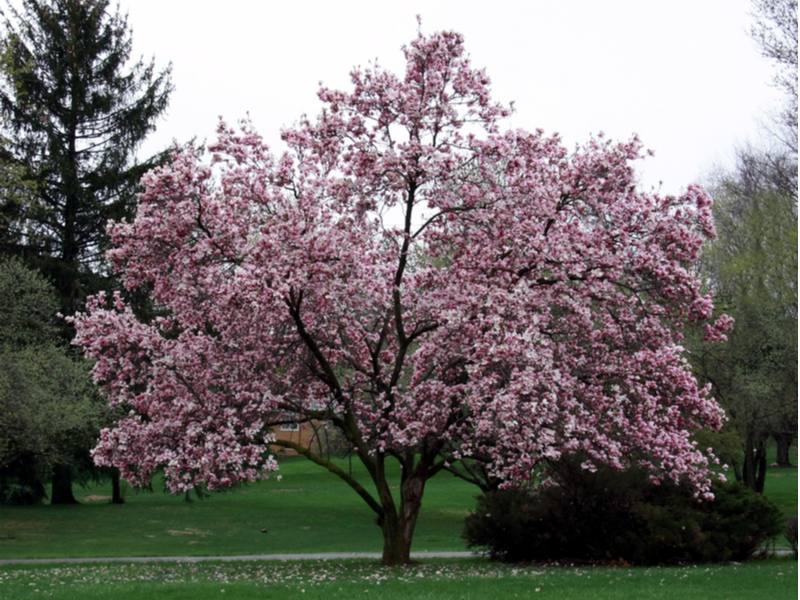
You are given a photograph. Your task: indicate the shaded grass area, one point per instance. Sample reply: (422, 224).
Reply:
(462, 579)
(309, 510)
(780, 485)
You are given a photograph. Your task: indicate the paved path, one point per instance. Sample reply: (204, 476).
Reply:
(272, 557)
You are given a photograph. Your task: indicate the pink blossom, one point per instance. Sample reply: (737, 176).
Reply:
(436, 288)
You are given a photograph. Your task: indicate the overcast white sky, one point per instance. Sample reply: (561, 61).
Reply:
(682, 74)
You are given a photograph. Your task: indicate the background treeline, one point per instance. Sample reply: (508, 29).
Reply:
(75, 109)
(752, 269)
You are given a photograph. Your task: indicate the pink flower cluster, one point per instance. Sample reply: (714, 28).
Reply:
(417, 277)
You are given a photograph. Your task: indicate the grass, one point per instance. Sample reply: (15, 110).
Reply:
(312, 511)
(780, 486)
(309, 510)
(462, 579)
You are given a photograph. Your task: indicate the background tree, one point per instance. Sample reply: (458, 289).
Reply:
(75, 111)
(752, 267)
(18, 199)
(49, 410)
(775, 31)
(436, 289)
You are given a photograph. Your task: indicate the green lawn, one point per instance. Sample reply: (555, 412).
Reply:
(309, 510)
(781, 487)
(437, 579)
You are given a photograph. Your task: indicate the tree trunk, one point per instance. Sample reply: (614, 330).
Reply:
(784, 441)
(62, 486)
(761, 465)
(116, 493)
(398, 528)
(749, 465)
(755, 463)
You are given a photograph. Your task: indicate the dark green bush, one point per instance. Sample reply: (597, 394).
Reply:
(614, 515)
(21, 495)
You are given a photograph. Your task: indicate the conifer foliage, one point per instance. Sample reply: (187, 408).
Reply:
(75, 111)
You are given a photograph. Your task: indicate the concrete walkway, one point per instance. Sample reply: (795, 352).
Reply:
(263, 557)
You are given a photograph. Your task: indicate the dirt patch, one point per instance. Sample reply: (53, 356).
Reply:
(455, 512)
(188, 531)
(93, 498)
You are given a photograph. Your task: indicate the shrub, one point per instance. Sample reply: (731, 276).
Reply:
(21, 495)
(613, 515)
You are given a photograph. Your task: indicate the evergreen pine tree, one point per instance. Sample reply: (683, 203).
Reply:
(75, 112)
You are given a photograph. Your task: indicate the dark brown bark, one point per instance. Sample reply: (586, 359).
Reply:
(62, 486)
(398, 526)
(754, 471)
(784, 441)
(749, 465)
(116, 492)
(761, 467)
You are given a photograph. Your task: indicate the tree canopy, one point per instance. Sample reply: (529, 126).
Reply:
(775, 31)
(75, 110)
(437, 289)
(752, 268)
(50, 411)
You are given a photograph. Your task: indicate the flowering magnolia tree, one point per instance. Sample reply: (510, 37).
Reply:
(447, 294)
